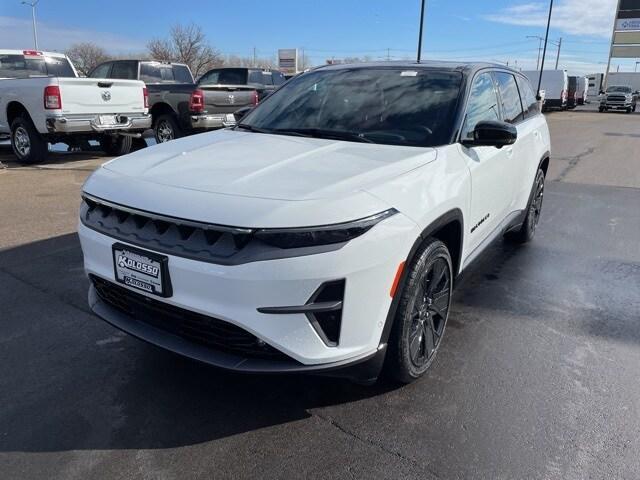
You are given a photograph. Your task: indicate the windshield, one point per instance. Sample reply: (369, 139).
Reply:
(224, 76)
(619, 89)
(26, 66)
(396, 106)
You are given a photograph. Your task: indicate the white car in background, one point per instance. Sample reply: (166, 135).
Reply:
(325, 231)
(43, 101)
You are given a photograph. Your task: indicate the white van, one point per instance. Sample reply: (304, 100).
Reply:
(555, 83)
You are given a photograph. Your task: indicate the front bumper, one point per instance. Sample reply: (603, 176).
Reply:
(212, 121)
(233, 294)
(131, 122)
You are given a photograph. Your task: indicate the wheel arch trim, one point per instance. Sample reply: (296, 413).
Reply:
(454, 215)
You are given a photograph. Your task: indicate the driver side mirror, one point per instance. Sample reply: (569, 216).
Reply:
(490, 133)
(241, 113)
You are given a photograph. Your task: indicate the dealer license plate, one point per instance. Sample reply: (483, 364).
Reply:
(107, 120)
(141, 270)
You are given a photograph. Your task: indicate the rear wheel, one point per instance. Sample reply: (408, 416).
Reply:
(27, 144)
(528, 229)
(422, 313)
(166, 129)
(116, 145)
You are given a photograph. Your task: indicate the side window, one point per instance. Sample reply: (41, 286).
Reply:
(101, 71)
(511, 105)
(255, 76)
(126, 70)
(150, 73)
(267, 78)
(482, 104)
(278, 78)
(182, 74)
(529, 101)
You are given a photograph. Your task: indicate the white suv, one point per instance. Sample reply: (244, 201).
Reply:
(325, 231)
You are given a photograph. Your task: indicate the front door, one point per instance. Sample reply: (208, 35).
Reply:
(491, 190)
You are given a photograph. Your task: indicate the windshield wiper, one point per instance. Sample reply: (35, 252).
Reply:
(324, 133)
(253, 129)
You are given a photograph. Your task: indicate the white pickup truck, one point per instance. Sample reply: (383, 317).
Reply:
(43, 101)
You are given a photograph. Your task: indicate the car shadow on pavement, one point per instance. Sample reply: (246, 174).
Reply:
(70, 381)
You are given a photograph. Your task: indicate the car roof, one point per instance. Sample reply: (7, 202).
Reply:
(467, 68)
(42, 52)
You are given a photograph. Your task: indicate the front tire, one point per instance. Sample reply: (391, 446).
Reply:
(116, 145)
(528, 229)
(422, 313)
(27, 144)
(166, 129)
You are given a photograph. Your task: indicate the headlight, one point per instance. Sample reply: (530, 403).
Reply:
(321, 235)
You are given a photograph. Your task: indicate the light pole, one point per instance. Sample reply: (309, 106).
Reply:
(33, 18)
(544, 53)
(539, 48)
(559, 45)
(420, 33)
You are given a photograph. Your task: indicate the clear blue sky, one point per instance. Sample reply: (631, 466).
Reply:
(458, 29)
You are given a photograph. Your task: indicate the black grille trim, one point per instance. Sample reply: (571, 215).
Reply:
(199, 329)
(211, 243)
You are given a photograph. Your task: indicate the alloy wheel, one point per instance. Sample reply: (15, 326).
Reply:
(429, 313)
(164, 132)
(21, 141)
(536, 204)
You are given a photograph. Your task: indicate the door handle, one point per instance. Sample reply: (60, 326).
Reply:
(509, 151)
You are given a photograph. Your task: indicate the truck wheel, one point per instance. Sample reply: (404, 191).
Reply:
(27, 144)
(166, 129)
(116, 145)
(422, 313)
(528, 229)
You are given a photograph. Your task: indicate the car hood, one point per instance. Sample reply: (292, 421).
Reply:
(269, 166)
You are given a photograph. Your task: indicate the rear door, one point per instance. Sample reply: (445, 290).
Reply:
(490, 179)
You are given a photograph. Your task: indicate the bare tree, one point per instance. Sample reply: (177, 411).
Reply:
(86, 56)
(260, 62)
(186, 44)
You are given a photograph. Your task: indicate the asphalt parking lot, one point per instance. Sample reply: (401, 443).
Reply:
(538, 377)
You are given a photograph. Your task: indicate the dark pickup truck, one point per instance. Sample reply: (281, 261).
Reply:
(179, 106)
(227, 89)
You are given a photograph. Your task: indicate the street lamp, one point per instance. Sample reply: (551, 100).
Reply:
(33, 18)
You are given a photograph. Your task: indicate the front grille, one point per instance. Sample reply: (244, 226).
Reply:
(194, 327)
(616, 98)
(185, 238)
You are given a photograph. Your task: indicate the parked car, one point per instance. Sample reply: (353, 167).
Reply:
(171, 92)
(74, 109)
(323, 233)
(582, 90)
(572, 101)
(619, 97)
(223, 91)
(556, 85)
